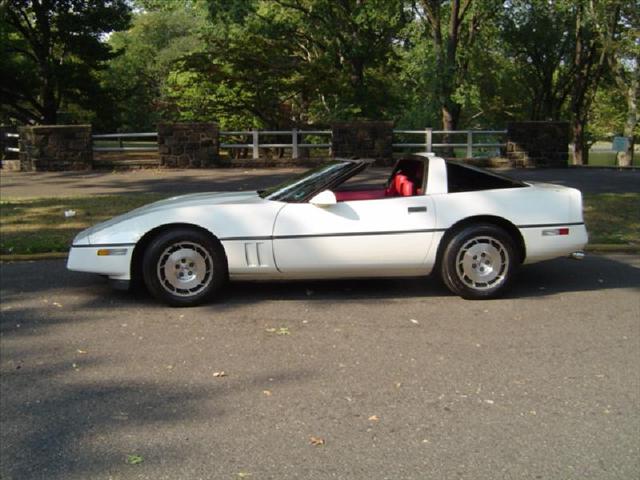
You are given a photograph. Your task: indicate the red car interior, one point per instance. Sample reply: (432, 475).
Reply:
(360, 195)
(400, 186)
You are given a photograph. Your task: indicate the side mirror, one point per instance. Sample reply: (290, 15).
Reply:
(324, 199)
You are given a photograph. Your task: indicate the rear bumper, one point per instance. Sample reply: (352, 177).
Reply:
(541, 246)
(117, 266)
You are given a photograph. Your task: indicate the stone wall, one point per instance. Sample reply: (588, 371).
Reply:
(55, 147)
(538, 144)
(362, 140)
(188, 145)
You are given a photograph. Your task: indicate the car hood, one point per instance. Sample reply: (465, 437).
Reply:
(182, 201)
(207, 198)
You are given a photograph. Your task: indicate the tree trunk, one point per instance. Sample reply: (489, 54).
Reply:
(49, 104)
(580, 153)
(625, 159)
(449, 117)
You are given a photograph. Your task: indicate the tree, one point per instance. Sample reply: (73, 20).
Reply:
(625, 65)
(596, 24)
(283, 63)
(348, 44)
(563, 50)
(539, 37)
(51, 52)
(453, 26)
(161, 34)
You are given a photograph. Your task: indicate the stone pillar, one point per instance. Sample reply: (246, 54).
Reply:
(362, 139)
(56, 147)
(188, 145)
(538, 144)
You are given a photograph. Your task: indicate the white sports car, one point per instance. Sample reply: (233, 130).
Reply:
(473, 227)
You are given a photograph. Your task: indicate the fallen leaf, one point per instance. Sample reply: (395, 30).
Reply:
(134, 459)
(316, 441)
(278, 331)
(267, 393)
(374, 418)
(219, 374)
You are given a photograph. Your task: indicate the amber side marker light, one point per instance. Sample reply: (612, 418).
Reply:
(105, 252)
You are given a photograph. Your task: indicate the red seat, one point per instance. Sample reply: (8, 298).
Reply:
(407, 189)
(398, 182)
(400, 185)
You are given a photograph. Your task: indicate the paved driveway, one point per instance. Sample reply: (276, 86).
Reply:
(399, 379)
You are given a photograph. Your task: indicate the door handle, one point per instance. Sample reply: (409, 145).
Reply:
(417, 209)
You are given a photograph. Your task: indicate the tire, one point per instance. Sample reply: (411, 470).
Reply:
(184, 267)
(479, 262)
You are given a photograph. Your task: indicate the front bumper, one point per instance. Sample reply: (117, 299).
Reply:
(117, 266)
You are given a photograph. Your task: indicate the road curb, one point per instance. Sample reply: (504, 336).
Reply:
(32, 257)
(612, 248)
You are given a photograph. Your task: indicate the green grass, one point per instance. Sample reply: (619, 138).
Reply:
(39, 226)
(613, 218)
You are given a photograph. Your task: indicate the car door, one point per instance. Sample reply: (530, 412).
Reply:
(364, 237)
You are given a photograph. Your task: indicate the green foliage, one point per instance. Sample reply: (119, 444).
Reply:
(294, 62)
(538, 36)
(285, 63)
(137, 79)
(51, 53)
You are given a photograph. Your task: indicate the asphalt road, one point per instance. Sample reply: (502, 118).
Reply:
(399, 379)
(175, 182)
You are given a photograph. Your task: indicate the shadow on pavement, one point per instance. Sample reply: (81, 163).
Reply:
(82, 416)
(547, 278)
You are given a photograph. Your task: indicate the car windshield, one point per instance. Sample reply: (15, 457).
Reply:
(299, 188)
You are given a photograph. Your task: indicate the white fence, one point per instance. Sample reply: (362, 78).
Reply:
(297, 140)
(152, 146)
(469, 136)
(14, 137)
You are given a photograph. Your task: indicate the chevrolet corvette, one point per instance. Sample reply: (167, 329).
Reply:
(470, 226)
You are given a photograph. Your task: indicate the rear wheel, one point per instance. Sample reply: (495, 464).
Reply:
(184, 267)
(479, 262)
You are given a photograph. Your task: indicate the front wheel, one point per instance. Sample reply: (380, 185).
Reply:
(184, 267)
(479, 262)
